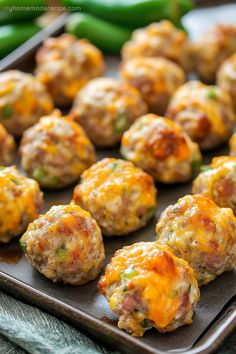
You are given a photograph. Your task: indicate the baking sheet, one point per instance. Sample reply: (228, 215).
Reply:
(85, 302)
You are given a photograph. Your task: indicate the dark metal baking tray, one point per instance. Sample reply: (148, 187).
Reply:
(82, 306)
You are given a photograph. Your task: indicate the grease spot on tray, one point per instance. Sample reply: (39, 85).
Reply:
(11, 256)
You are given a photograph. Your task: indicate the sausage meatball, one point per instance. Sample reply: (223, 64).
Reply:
(155, 78)
(148, 286)
(105, 108)
(65, 245)
(65, 64)
(120, 196)
(212, 49)
(204, 112)
(226, 77)
(161, 148)
(219, 182)
(20, 202)
(160, 39)
(56, 151)
(201, 233)
(232, 145)
(7, 147)
(23, 100)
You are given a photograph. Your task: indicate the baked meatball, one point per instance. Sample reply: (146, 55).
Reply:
(212, 49)
(204, 112)
(55, 151)
(65, 64)
(201, 233)
(155, 78)
(105, 108)
(20, 202)
(148, 286)
(232, 145)
(120, 196)
(65, 245)
(23, 100)
(160, 39)
(161, 148)
(7, 147)
(219, 182)
(226, 77)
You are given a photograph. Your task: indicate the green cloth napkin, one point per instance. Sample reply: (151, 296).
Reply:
(24, 328)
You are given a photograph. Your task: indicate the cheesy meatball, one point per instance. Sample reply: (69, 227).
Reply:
(20, 202)
(147, 286)
(155, 78)
(65, 245)
(160, 147)
(56, 151)
(212, 49)
(120, 196)
(160, 39)
(7, 147)
(23, 100)
(202, 233)
(105, 108)
(218, 180)
(204, 112)
(65, 64)
(226, 77)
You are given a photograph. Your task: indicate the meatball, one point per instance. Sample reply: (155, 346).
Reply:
(212, 49)
(155, 78)
(105, 108)
(201, 233)
(232, 145)
(65, 64)
(160, 39)
(226, 77)
(56, 151)
(161, 148)
(65, 245)
(120, 196)
(204, 112)
(23, 100)
(219, 182)
(148, 286)
(7, 147)
(20, 201)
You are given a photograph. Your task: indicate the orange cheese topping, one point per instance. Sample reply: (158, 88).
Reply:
(157, 273)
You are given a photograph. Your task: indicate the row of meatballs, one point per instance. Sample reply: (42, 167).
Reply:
(147, 284)
(56, 150)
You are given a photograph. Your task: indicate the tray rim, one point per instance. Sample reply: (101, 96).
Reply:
(213, 336)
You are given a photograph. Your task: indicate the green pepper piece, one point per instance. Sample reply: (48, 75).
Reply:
(61, 253)
(114, 165)
(23, 246)
(105, 35)
(2, 168)
(145, 323)
(121, 123)
(205, 168)
(212, 94)
(7, 112)
(195, 166)
(39, 174)
(129, 272)
(133, 13)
